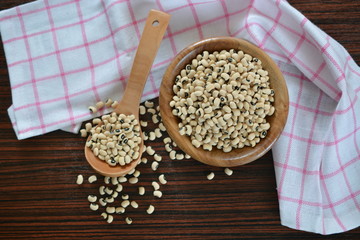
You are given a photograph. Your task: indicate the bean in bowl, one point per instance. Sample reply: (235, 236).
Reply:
(223, 99)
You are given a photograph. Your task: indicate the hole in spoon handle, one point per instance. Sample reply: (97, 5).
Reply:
(155, 23)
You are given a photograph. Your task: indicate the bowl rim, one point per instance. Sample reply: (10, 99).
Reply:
(246, 154)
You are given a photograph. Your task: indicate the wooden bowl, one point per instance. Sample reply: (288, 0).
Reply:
(217, 157)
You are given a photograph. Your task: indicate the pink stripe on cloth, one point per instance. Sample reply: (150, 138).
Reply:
(226, 14)
(332, 208)
(315, 158)
(306, 164)
(325, 143)
(87, 49)
(272, 29)
(60, 64)
(342, 162)
(317, 172)
(292, 129)
(169, 32)
(32, 72)
(319, 204)
(118, 64)
(197, 22)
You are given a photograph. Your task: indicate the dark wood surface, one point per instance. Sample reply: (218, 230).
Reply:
(39, 198)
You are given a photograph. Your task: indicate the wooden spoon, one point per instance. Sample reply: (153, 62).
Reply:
(155, 27)
(217, 157)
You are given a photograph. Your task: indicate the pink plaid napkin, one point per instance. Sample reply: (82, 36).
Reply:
(64, 55)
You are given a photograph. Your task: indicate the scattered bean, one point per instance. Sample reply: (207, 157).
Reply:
(133, 180)
(125, 196)
(228, 171)
(108, 102)
(122, 179)
(132, 171)
(94, 206)
(110, 210)
(119, 188)
(172, 154)
(157, 193)
(150, 151)
(155, 185)
(128, 220)
(149, 104)
(104, 215)
(134, 204)
(102, 190)
(110, 219)
(143, 123)
(92, 179)
(150, 209)
(152, 111)
(114, 104)
(108, 191)
(167, 140)
(102, 202)
(142, 110)
(115, 194)
(162, 179)
(162, 127)
(92, 198)
(157, 157)
(83, 133)
(99, 105)
(136, 173)
(141, 190)
(107, 179)
(179, 156)
(119, 210)
(125, 203)
(144, 160)
(155, 119)
(79, 179)
(158, 133)
(168, 148)
(92, 109)
(210, 176)
(114, 181)
(154, 165)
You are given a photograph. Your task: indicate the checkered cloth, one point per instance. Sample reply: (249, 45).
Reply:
(64, 55)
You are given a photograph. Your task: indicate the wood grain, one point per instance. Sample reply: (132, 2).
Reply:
(40, 200)
(217, 157)
(154, 30)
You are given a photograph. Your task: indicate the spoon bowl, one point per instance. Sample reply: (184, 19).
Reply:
(217, 157)
(155, 27)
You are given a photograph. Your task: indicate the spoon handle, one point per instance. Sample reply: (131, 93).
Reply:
(154, 30)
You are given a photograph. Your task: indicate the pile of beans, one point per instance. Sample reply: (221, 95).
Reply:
(115, 138)
(223, 99)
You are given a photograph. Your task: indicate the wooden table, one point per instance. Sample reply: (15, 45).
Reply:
(39, 198)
